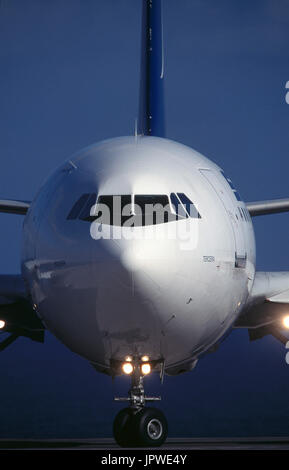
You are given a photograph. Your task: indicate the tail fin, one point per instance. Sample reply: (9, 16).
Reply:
(151, 100)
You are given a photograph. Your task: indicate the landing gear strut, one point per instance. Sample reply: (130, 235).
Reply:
(137, 425)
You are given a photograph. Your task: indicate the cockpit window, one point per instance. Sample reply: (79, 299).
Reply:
(133, 211)
(189, 206)
(178, 207)
(73, 214)
(85, 211)
(152, 209)
(141, 210)
(113, 210)
(81, 208)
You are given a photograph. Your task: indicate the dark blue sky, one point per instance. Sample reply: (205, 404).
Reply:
(69, 77)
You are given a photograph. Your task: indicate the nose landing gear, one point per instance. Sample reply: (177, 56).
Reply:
(137, 425)
(140, 427)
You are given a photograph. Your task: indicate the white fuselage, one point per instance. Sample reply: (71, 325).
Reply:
(164, 291)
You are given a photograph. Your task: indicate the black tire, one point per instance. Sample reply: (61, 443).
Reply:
(150, 427)
(123, 428)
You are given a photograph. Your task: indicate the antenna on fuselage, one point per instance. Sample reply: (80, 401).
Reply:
(151, 98)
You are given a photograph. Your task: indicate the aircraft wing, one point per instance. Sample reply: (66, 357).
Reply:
(12, 206)
(267, 306)
(273, 206)
(17, 316)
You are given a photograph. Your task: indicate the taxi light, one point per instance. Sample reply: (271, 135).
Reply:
(286, 321)
(127, 368)
(128, 359)
(146, 368)
(145, 358)
(2, 324)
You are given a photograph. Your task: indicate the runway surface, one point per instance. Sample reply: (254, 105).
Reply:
(258, 443)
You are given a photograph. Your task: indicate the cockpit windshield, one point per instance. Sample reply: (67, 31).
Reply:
(134, 210)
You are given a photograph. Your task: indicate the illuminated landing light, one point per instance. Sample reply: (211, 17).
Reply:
(286, 321)
(128, 359)
(2, 324)
(145, 358)
(146, 368)
(127, 368)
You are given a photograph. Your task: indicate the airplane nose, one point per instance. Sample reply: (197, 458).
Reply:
(137, 261)
(130, 261)
(125, 308)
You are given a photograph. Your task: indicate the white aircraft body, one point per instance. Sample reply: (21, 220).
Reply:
(156, 280)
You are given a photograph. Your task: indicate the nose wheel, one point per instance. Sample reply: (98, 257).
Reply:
(138, 425)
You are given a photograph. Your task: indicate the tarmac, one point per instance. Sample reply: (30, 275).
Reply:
(108, 444)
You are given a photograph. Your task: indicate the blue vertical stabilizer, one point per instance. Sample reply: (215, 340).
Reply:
(151, 101)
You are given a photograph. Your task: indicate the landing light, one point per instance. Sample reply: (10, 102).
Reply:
(2, 324)
(146, 368)
(286, 321)
(145, 358)
(127, 368)
(128, 358)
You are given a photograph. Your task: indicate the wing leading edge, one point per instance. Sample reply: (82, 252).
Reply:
(274, 206)
(11, 206)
